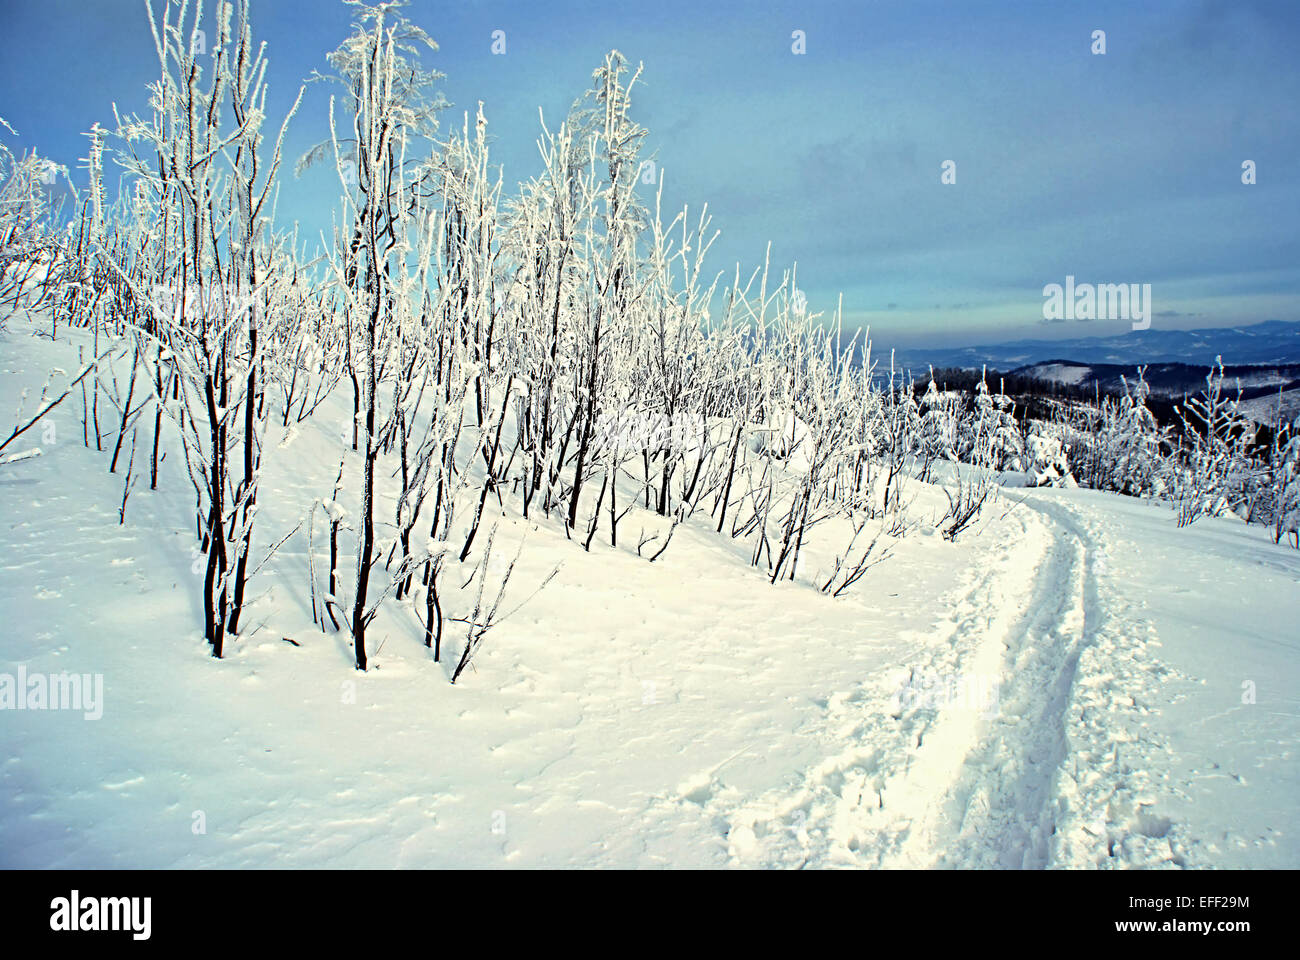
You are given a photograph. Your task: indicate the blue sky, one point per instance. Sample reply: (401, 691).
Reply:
(1122, 168)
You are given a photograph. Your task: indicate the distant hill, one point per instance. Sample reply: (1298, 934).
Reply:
(1266, 409)
(1263, 386)
(1271, 342)
(1167, 379)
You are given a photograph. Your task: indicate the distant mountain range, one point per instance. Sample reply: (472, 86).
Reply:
(1271, 342)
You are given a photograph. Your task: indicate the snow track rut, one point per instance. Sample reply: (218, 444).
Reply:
(1012, 737)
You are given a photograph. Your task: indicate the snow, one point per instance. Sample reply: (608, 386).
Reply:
(1199, 627)
(1067, 685)
(1269, 408)
(1061, 372)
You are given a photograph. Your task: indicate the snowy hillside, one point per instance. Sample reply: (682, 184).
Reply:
(1284, 405)
(1065, 688)
(1257, 382)
(499, 526)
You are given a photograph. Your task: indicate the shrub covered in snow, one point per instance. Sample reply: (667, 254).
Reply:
(1048, 465)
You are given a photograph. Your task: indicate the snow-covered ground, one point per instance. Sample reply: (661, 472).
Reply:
(1268, 409)
(1060, 372)
(1076, 683)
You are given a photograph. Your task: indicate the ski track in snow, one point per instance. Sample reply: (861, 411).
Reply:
(1050, 774)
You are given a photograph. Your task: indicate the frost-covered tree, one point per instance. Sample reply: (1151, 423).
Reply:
(991, 437)
(1135, 443)
(197, 281)
(1285, 475)
(389, 104)
(1215, 438)
(938, 428)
